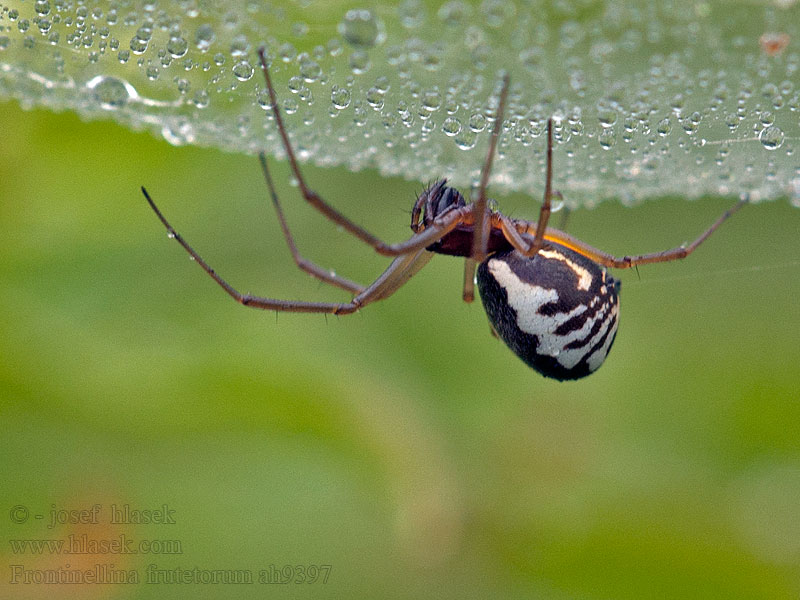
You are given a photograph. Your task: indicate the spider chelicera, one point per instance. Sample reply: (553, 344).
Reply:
(548, 295)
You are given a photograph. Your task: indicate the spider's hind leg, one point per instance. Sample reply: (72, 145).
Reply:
(303, 263)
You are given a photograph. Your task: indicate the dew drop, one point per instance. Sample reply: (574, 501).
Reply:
(177, 47)
(201, 99)
(431, 100)
(361, 29)
(243, 70)
(42, 7)
(477, 122)
(111, 93)
(138, 45)
(607, 118)
(454, 13)
(375, 98)
(664, 127)
(771, 137)
(412, 13)
(240, 46)
(497, 12)
(340, 97)
(204, 37)
(310, 70)
(606, 139)
(178, 133)
(451, 126)
(359, 62)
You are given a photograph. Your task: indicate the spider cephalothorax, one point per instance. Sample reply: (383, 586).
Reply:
(548, 295)
(434, 202)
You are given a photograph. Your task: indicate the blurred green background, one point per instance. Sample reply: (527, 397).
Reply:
(403, 446)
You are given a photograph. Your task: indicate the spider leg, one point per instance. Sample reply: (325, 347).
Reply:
(468, 292)
(674, 253)
(402, 268)
(626, 262)
(544, 212)
(303, 263)
(310, 195)
(480, 213)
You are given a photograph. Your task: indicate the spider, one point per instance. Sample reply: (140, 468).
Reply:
(547, 295)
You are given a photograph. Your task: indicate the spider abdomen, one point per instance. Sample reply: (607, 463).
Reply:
(557, 311)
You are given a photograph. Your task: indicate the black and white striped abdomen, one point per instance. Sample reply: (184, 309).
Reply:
(558, 311)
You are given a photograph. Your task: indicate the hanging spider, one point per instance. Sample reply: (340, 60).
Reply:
(548, 295)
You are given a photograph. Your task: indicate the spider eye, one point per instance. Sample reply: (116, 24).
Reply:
(557, 311)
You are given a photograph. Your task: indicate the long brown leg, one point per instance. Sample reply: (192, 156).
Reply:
(481, 216)
(544, 212)
(480, 236)
(623, 262)
(306, 265)
(468, 292)
(310, 195)
(401, 269)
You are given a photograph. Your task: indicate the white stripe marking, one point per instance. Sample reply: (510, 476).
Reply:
(526, 299)
(584, 277)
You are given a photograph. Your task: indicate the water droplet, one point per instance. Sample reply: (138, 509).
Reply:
(359, 62)
(138, 45)
(178, 132)
(111, 93)
(497, 12)
(771, 137)
(477, 122)
(290, 106)
(309, 69)
(466, 140)
(375, 98)
(243, 70)
(300, 29)
(240, 46)
(431, 100)
(664, 127)
(177, 47)
(201, 99)
(361, 29)
(412, 13)
(340, 97)
(607, 139)
(204, 37)
(454, 13)
(42, 7)
(607, 117)
(451, 126)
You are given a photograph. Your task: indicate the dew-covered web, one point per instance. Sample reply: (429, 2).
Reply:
(649, 98)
